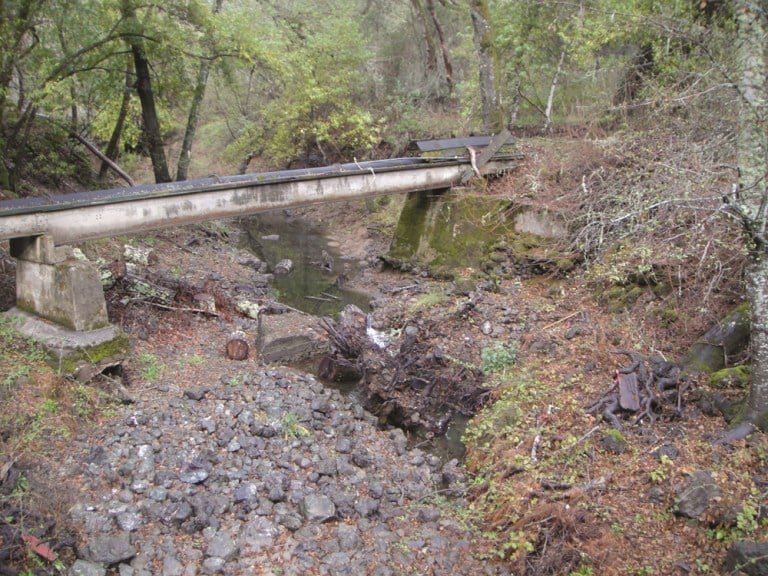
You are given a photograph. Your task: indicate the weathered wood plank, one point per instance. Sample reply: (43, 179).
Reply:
(629, 395)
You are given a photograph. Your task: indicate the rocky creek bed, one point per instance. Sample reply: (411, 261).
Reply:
(215, 466)
(275, 475)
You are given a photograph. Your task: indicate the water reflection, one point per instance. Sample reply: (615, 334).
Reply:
(316, 285)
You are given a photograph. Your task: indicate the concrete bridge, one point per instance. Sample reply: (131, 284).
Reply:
(52, 284)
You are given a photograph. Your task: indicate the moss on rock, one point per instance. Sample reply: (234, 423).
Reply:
(735, 377)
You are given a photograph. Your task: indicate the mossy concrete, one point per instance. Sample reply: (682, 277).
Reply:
(53, 284)
(455, 229)
(81, 354)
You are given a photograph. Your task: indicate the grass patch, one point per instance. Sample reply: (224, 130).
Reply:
(431, 299)
(151, 366)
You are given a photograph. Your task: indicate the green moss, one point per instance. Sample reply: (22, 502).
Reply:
(454, 230)
(615, 435)
(619, 298)
(565, 264)
(668, 316)
(732, 410)
(736, 377)
(662, 289)
(112, 349)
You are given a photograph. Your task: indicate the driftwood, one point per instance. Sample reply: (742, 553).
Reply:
(237, 346)
(412, 384)
(642, 388)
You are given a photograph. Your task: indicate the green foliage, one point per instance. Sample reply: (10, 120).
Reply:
(500, 420)
(429, 300)
(291, 426)
(313, 100)
(18, 354)
(660, 473)
(498, 357)
(746, 519)
(88, 401)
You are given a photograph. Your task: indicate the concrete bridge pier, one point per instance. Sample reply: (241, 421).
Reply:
(60, 304)
(53, 284)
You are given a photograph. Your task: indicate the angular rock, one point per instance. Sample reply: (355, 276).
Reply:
(83, 568)
(317, 508)
(694, 500)
(747, 557)
(222, 545)
(108, 549)
(258, 534)
(194, 476)
(283, 267)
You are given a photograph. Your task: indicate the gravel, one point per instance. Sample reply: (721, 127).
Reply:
(275, 475)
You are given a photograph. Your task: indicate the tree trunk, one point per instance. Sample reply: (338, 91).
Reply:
(448, 67)
(113, 147)
(185, 155)
(752, 200)
(551, 98)
(429, 42)
(486, 60)
(634, 77)
(149, 113)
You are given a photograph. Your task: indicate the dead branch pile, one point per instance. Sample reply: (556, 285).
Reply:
(416, 386)
(643, 389)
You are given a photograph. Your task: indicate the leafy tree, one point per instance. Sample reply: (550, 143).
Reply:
(311, 100)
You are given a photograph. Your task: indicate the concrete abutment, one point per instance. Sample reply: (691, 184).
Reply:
(60, 304)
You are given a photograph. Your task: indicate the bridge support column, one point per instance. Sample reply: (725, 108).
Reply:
(60, 303)
(54, 285)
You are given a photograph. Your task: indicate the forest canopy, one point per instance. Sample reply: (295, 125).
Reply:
(264, 84)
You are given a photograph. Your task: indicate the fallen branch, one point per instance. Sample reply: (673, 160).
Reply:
(175, 308)
(556, 322)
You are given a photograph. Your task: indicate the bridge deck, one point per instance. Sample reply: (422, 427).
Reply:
(86, 215)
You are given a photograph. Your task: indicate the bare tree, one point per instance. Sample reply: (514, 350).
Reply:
(486, 61)
(750, 201)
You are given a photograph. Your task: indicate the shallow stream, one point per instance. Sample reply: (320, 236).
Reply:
(316, 285)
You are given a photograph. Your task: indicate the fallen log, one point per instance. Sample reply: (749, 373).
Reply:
(237, 346)
(333, 368)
